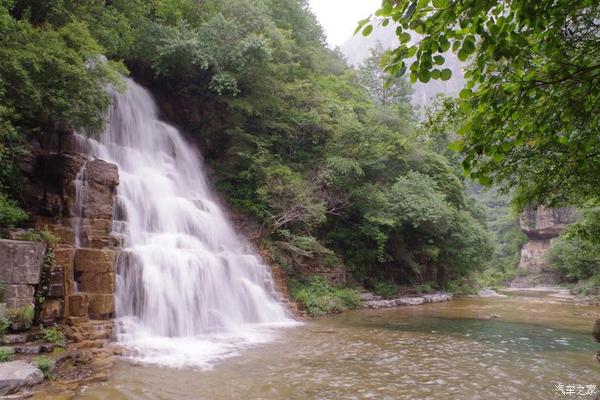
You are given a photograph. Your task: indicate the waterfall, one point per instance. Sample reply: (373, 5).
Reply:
(189, 290)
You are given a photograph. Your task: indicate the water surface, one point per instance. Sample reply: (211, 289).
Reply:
(517, 347)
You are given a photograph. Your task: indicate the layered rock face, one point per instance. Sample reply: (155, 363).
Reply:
(71, 195)
(541, 225)
(21, 266)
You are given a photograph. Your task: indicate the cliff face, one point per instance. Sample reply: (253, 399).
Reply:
(541, 225)
(71, 196)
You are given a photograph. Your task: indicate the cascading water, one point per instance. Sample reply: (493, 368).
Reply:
(189, 291)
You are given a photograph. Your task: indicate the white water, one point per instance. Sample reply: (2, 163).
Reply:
(189, 291)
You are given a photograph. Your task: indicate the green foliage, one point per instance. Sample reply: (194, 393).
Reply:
(22, 317)
(327, 160)
(317, 297)
(385, 289)
(46, 365)
(576, 252)
(4, 325)
(425, 287)
(7, 354)
(528, 114)
(41, 235)
(10, 213)
(53, 335)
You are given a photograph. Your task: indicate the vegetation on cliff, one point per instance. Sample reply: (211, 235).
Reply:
(329, 161)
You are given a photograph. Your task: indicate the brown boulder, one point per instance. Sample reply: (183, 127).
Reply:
(51, 310)
(97, 282)
(78, 304)
(95, 260)
(101, 305)
(596, 330)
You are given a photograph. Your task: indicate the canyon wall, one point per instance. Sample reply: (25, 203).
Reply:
(541, 225)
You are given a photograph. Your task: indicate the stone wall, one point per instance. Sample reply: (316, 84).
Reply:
(21, 266)
(81, 281)
(541, 225)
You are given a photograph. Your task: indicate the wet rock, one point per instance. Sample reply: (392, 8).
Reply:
(95, 260)
(78, 304)
(28, 349)
(51, 310)
(411, 301)
(47, 348)
(437, 297)
(17, 375)
(487, 292)
(18, 338)
(596, 330)
(102, 306)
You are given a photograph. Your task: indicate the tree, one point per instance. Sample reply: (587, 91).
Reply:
(384, 92)
(530, 108)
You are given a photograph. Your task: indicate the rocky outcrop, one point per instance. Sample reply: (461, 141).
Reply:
(378, 302)
(17, 375)
(21, 266)
(541, 225)
(545, 222)
(72, 196)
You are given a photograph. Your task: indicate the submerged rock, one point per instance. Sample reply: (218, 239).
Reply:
(16, 375)
(596, 330)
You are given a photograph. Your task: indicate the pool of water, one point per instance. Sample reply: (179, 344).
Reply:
(517, 347)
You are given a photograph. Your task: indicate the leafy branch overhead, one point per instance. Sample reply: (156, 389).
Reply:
(531, 102)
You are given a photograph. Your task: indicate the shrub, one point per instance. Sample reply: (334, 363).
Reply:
(45, 364)
(425, 287)
(10, 213)
(317, 297)
(386, 289)
(53, 335)
(4, 325)
(22, 317)
(6, 354)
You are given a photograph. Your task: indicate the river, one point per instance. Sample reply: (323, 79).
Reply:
(517, 347)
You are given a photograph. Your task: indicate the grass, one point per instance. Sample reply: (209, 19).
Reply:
(385, 289)
(6, 354)
(45, 364)
(53, 335)
(317, 297)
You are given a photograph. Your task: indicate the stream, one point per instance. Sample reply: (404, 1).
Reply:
(515, 347)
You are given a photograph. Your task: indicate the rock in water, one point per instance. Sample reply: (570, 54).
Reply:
(596, 330)
(487, 292)
(16, 375)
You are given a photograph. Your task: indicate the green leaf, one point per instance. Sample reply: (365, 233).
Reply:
(458, 145)
(367, 31)
(404, 37)
(445, 74)
(463, 55)
(424, 75)
(439, 60)
(485, 180)
(440, 3)
(465, 93)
